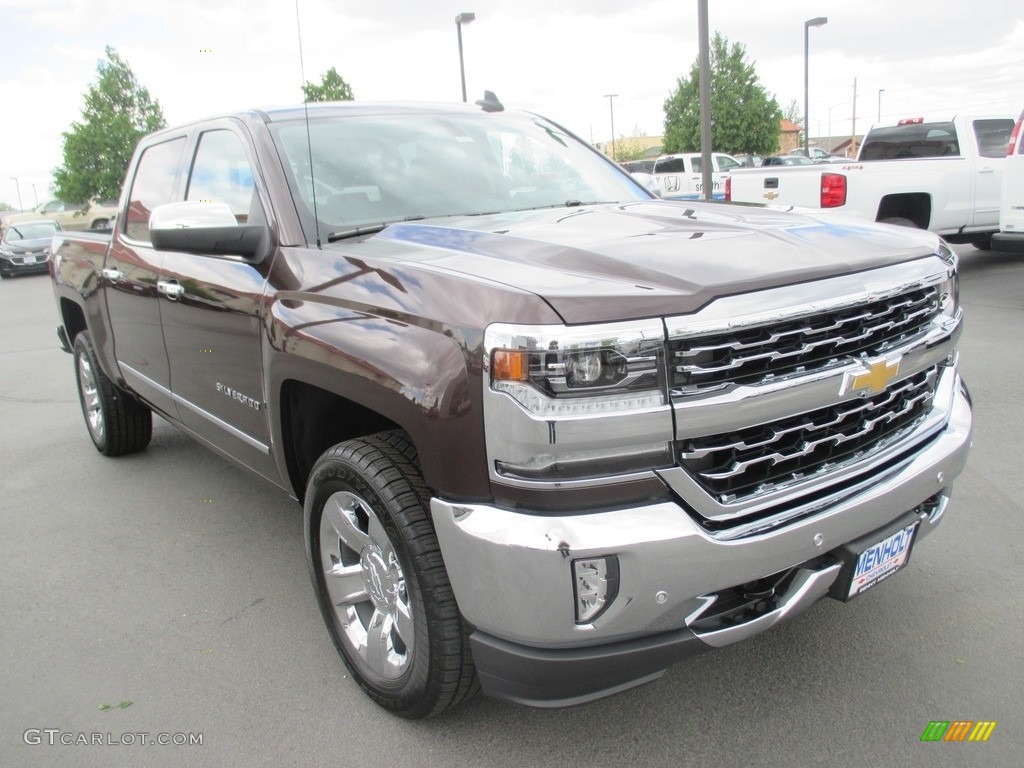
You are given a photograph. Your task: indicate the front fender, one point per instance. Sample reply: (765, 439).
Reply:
(424, 378)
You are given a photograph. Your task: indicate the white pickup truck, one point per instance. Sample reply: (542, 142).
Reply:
(679, 176)
(943, 175)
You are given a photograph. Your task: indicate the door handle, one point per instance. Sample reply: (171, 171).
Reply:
(172, 289)
(113, 275)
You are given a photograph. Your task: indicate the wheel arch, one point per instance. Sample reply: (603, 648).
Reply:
(914, 206)
(423, 383)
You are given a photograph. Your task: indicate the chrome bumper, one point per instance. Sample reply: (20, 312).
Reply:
(512, 572)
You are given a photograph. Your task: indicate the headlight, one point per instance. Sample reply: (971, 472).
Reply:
(558, 369)
(575, 404)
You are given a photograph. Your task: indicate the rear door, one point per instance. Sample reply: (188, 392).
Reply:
(1011, 212)
(212, 308)
(989, 136)
(131, 273)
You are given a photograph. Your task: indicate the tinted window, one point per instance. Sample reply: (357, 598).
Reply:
(993, 135)
(153, 185)
(670, 165)
(221, 173)
(916, 140)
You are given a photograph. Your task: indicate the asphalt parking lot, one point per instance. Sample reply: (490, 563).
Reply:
(176, 582)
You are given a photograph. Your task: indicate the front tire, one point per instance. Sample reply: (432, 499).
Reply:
(380, 579)
(117, 422)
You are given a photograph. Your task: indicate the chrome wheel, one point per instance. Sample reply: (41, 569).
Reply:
(90, 398)
(366, 586)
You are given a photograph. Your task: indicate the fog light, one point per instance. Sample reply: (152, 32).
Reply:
(596, 584)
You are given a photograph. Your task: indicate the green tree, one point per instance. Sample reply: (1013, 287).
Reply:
(744, 117)
(97, 150)
(6, 207)
(332, 88)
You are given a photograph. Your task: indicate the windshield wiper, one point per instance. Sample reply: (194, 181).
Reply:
(344, 234)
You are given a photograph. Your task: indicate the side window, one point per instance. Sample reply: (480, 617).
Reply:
(670, 165)
(726, 163)
(54, 206)
(993, 136)
(152, 186)
(221, 173)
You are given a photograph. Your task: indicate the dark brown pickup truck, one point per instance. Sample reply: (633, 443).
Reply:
(551, 434)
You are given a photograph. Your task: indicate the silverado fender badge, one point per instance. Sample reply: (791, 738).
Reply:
(873, 377)
(234, 394)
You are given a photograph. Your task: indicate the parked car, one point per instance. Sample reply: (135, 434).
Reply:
(1011, 212)
(817, 155)
(25, 247)
(550, 437)
(95, 215)
(786, 160)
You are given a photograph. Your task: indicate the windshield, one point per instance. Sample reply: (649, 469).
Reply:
(383, 168)
(33, 231)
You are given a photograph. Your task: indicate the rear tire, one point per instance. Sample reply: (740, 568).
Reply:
(100, 224)
(982, 242)
(117, 422)
(380, 580)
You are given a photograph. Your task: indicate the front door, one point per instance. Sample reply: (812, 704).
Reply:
(212, 310)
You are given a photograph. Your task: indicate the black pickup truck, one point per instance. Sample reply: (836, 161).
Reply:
(551, 434)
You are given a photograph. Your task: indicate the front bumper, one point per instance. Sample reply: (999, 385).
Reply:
(16, 265)
(1012, 242)
(512, 575)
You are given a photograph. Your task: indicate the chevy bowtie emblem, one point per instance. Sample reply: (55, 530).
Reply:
(770, 195)
(873, 377)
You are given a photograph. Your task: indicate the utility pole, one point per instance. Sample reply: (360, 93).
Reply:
(611, 109)
(704, 65)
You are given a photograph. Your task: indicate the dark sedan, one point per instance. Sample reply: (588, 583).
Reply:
(786, 160)
(25, 247)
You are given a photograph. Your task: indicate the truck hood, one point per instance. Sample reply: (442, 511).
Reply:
(633, 260)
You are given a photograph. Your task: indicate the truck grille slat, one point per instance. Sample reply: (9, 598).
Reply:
(754, 355)
(757, 459)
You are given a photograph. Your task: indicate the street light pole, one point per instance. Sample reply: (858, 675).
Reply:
(462, 18)
(35, 195)
(815, 22)
(880, 92)
(18, 186)
(611, 110)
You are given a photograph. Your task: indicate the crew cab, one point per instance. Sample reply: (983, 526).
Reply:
(941, 174)
(1011, 213)
(679, 176)
(550, 433)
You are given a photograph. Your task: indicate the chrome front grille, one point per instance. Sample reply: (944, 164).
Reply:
(802, 345)
(743, 464)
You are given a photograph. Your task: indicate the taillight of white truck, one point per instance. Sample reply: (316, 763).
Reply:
(833, 190)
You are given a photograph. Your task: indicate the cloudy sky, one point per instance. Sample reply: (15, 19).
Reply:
(201, 57)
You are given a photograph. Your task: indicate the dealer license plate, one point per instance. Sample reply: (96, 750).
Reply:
(880, 561)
